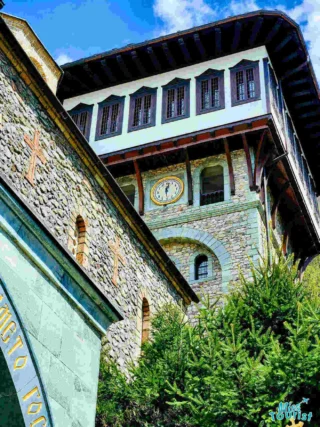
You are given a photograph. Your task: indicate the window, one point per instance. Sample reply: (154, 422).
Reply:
(210, 91)
(79, 244)
(130, 192)
(175, 102)
(211, 185)
(145, 321)
(201, 267)
(245, 82)
(142, 108)
(110, 116)
(81, 115)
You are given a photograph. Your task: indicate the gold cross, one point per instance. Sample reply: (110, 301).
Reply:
(117, 256)
(293, 423)
(36, 152)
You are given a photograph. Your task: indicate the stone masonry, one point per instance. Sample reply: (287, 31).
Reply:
(64, 188)
(232, 232)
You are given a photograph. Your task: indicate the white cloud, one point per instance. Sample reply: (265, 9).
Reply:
(307, 14)
(63, 58)
(178, 15)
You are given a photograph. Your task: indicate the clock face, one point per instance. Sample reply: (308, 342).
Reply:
(167, 190)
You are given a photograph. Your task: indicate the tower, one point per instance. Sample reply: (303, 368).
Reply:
(212, 135)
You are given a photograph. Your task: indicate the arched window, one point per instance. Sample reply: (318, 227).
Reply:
(201, 267)
(145, 321)
(211, 185)
(79, 240)
(130, 192)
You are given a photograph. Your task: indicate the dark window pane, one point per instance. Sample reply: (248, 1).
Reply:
(181, 101)
(212, 185)
(137, 114)
(205, 95)
(201, 267)
(240, 86)
(83, 122)
(147, 110)
(170, 103)
(215, 92)
(251, 87)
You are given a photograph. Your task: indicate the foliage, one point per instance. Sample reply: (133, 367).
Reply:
(232, 367)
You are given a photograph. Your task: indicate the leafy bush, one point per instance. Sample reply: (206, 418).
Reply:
(231, 368)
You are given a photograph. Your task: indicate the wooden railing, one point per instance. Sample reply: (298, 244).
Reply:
(210, 198)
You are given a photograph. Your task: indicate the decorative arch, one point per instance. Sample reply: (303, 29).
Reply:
(197, 179)
(207, 240)
(24, 402)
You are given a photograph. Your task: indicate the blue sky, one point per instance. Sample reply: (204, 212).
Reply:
(75, 29)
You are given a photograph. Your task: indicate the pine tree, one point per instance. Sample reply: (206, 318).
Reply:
(240, 360)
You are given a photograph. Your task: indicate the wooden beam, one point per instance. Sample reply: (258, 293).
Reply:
(237, 35)
(259, 162)
(181, 146)
(218, 41)
(300, 93)
(294, 70)
(92, 76)
(105, 68)
(306, 104)
(76, 80)
(297, 82)
(255, 31)
(154, 59)
(288, 58)
(310, 114)
(189, 177)
(140, 187)
(276, 203)
(248, 160)
(184, 50)
(200, 46)
(168, 54)
(284, 42)
(138, 63)
(312, 125)
(274, 31)
(123, 67)
(230, 166)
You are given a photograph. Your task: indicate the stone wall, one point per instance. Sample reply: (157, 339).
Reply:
(63, 188)
(232, 231)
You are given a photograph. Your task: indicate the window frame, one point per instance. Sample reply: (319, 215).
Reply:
(243, 66)
(109, 102)
(209, 75)
(141, 93)
(81, 108)
(175, 84)
(201, 185)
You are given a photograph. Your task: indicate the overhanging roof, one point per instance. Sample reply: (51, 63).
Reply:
(280, 34)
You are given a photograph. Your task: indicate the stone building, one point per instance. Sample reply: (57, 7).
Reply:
(212, 133)
(77, 262)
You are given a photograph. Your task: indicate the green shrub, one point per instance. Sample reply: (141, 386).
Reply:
(231, 368)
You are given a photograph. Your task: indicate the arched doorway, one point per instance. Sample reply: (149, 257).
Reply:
(10, 411)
